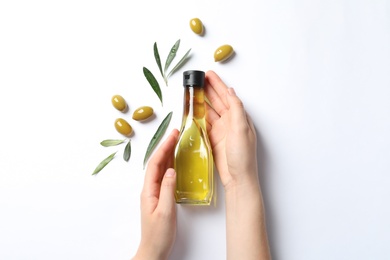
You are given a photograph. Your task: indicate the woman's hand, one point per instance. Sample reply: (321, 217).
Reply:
(233, 139)
(231, 133)
(158, 207)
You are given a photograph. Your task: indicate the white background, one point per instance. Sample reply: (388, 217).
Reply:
(314, 75)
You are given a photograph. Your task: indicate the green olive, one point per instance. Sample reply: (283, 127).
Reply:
(123, 127)
(196, 26)
(142, 113)
(119, 103)
(223, 53)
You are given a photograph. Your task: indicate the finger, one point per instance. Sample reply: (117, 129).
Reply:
(215, 91)
(157, 165)
(238, 118)
(167, 205)
(218, 85)
(208, 127)
(251, 125)
(211, 115)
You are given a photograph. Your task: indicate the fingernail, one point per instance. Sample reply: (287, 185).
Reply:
(170, 172)
(231, 91)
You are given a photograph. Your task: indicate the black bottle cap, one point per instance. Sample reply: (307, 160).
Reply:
(193, 78)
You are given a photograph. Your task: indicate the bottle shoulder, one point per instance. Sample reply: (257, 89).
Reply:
(195, 132)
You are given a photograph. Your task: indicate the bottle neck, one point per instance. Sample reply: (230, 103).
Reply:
(194, 106)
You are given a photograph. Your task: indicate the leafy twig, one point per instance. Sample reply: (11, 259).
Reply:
(171, 55)
(157, 136)
(127, 152)
(157, 58)
(111, 142)
(107, 160)
(153, 83)
(104, 163)
(177, 65)
(170, 58)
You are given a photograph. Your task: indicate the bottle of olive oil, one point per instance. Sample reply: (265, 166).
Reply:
(193, 156)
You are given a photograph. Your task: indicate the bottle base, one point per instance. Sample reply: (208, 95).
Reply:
(194, 198)
(200, 200)
(194, 202)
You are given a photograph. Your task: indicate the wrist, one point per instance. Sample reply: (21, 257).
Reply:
(244, 192)
(245, 182)
(247, 194)
(147, 253)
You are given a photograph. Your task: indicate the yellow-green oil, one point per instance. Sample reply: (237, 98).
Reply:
(193, 156)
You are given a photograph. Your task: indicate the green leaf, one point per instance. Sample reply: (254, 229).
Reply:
(171, 55)
(157, 136)
(111, 142)
(104, 163)
(127, 152)
(177, 65)
(157, 57)
(153, 83)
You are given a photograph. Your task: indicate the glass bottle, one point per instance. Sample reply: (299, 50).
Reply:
(193, 156)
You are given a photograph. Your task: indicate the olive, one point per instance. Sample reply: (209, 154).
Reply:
(196, 26)
(123, 127)
(223, 53)
(119, 103)
(142, 113)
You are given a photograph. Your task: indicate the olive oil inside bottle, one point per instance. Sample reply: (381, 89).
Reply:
(193, 156)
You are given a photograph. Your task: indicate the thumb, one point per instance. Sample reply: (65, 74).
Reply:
(166, 202)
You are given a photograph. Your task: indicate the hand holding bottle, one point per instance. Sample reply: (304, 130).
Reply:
(233, 140)
(158, 207)
(232, 134)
